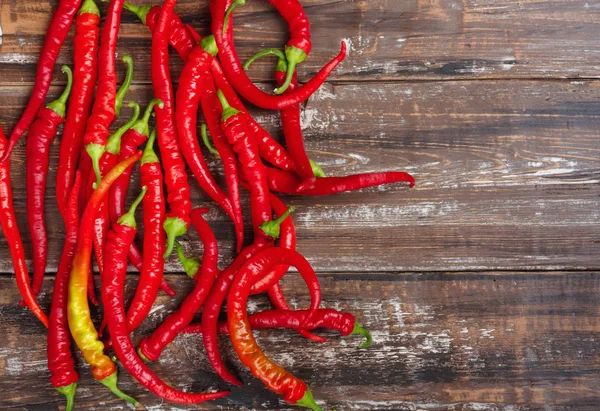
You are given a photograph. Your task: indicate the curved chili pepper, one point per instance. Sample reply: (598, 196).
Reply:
(178, 220)
(103, 111)
(40, 136)
(10, 229)
(234, 124)
(192, 82)
(85, 70)
(154, 238)
(119, 240)
(290, 117)
(63, 376)
(151, 347)
(330, 319)
(270, 373)
(55, 37)
(211, 108)
(80, 322)
(235, 73)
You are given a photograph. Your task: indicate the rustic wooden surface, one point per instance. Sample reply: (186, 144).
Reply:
(480, 285)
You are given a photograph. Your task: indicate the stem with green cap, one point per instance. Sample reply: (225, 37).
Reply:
(110, 382)
(59, 105)
(317, 170)
(308, 401)
(141, 126)
(229, 11)
(174, 227)
(140, 11)
(113, 144)
(190, 265)
(69, 392)
(149, 155)
(294, 57)
(206, 140)
(273, 228)
(281, 63)
(228, 111)
(359, 330)
(125, 86)
(128, 218)
(89, 7)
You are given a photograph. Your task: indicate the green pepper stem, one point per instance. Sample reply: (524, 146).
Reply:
(206, 140)
(229, 11)
(281, 64)
(69, 392)
(174, 227)
(140, 11)
(209, 44)
(113, 144)
(141, 126)
(89, 7)
(190, 265)
(273, 228)
(294, 56)
(128, 219)
(149, 155)
(228, 111)
(359, 330)
(308, 401)
(59, 106)
(95, 151)
(317, 170)
(111, 383)
(125, 86)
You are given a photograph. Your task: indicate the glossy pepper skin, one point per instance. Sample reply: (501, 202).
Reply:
(277, 379)
(154, 238)
(63, 376)
(80, 323)
(85, 71)
(344, 323)
(193, 82)
(151, 347)
(178, 189)
(55, 37)
(10, 229)
(40, 137)
(103, 110)
(119, 240)
(237, 77)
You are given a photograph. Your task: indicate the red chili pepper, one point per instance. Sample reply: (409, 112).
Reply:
(80, 323)
(63, 376)
(85, 70)
(154, 238)
(119, 241)
(178, 220)
(330, 319)
(40, 136)
(10, 229)
(103, 111)
(270, 373)
(192, 84)
(55, 37)
(179, 37)
(238, 78)
(151, 347)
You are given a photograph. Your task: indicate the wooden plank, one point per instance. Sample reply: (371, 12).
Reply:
(388, 39)
(468, 341)
(507, 177)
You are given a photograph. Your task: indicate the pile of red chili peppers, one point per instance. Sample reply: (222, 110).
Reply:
(93, 177)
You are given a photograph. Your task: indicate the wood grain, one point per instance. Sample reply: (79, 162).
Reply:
(481, 341)
(388, 39)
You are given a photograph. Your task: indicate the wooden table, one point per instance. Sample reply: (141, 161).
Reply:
(480, 285)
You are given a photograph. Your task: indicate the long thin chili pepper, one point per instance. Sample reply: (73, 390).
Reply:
(154, 238)
(327, 318)
(120, 239)
(40, 136)
(80, 322)
(85, 70)
(103, 111)
(63, 376)
(151, 347)
(10, 229)
(192, 83)
(178, 219)
(235, 73)
(55, 37)
(293, 390)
